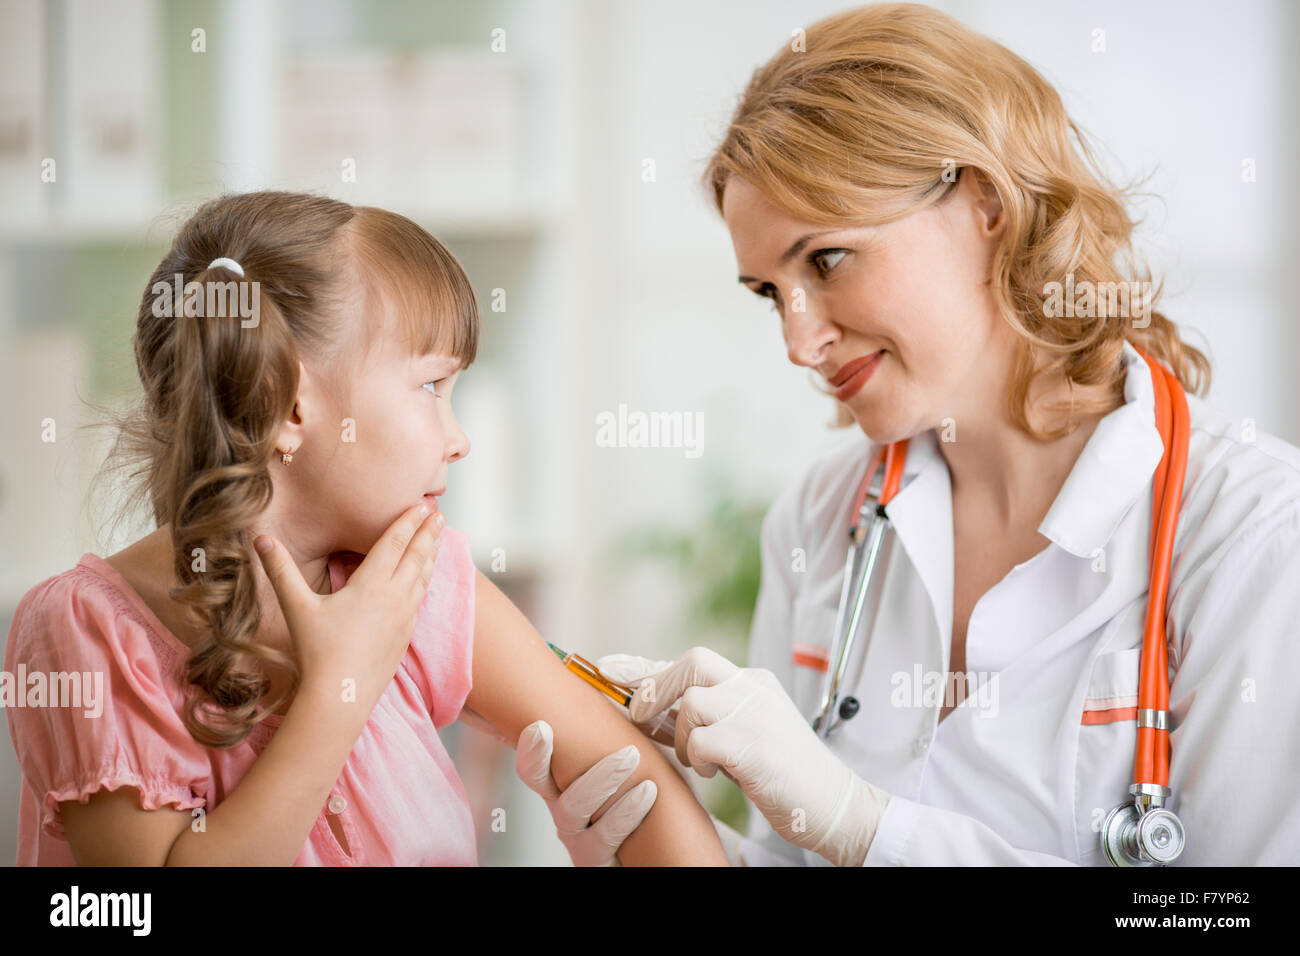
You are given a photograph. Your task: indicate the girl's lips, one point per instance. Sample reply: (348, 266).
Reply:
(853, 384)
(432, 500)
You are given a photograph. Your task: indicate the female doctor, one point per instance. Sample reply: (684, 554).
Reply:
(905, 192)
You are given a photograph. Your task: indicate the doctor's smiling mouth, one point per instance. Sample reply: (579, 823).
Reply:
(850, 379)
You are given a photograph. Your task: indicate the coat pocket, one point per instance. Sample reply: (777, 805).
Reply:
(810, 653)
(1112, 688)
(1107, 739)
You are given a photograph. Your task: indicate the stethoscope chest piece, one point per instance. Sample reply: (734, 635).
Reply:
(1131, 837)
(848, 709)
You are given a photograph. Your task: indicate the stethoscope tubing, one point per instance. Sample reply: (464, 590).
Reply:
(1151, 760)
(893, 457)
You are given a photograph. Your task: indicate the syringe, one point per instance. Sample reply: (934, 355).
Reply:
(661, 728)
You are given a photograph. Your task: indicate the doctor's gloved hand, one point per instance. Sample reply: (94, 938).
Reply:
(588, 844)
(742, 721)
(628, 669)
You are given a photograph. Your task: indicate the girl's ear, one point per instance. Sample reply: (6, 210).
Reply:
(292, 429)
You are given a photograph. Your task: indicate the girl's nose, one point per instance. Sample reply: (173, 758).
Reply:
(457, 446)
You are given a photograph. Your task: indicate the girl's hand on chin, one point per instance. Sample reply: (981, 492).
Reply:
(360, 633)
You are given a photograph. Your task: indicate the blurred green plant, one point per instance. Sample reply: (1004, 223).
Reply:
(718, 558)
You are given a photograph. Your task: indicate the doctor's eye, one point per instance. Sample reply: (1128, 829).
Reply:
(814, 257)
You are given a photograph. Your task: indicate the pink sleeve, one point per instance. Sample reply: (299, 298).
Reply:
(442, 647)
(122, 729)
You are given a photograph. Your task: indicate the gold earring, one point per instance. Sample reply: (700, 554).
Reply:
(286, 457)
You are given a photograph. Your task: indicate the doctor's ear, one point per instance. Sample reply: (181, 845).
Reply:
(987, 201)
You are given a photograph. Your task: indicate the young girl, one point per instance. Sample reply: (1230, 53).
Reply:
(283, 708)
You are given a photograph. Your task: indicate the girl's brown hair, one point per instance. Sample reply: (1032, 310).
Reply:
(867, 117)
(217, 388)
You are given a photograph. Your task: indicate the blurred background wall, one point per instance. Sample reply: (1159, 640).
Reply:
(520, 132)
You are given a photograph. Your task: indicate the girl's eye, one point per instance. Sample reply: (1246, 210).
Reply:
(429, 385)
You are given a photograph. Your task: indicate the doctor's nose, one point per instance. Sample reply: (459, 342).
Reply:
(808, 337)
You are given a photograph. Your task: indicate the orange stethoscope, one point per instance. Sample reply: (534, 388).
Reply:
(1138, 832)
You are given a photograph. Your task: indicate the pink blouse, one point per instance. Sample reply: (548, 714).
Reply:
(398, 799)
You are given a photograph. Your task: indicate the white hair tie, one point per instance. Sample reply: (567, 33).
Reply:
(230, 264)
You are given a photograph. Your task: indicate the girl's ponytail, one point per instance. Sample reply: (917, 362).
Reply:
(231, 383)
(218, 385)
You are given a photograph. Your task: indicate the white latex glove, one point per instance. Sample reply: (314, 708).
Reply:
(588, 844)
(628, 669)
(742, 721)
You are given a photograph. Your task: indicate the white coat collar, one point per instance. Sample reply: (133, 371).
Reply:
(1114, 469)
(1111, 474)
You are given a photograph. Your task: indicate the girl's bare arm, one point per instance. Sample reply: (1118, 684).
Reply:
(518, 679)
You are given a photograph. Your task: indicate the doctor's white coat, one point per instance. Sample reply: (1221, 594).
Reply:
(1027, 768)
